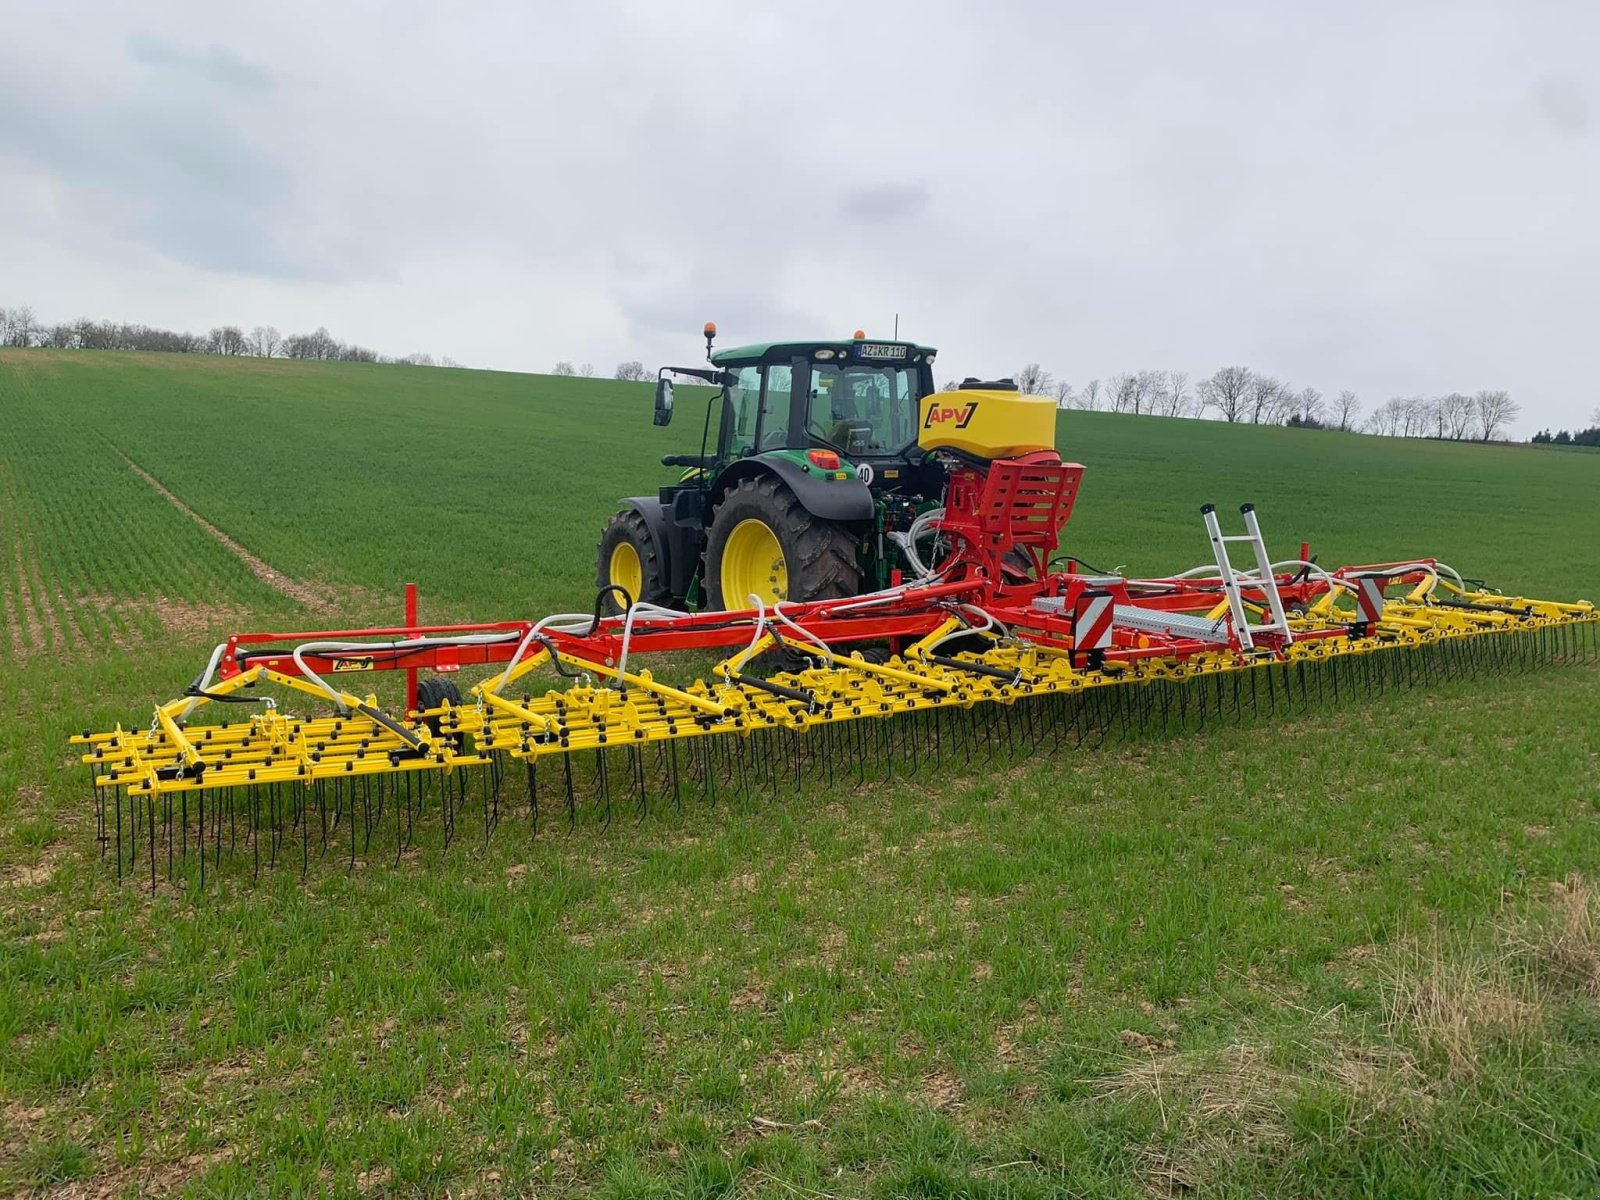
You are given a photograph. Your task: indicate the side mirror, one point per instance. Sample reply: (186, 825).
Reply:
(663, 401)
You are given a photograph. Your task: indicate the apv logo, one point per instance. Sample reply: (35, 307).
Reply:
(960, 416)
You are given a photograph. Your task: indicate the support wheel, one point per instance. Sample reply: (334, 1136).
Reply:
(765, 542)
(630, 560)
(434, 690)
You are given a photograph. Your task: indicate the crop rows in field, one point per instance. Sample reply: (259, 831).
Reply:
(90, 555)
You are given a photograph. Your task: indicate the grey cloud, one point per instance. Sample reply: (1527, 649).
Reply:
(1563, 104)
(181, 175)
(743, 314)
(884, 202)
(216, 64)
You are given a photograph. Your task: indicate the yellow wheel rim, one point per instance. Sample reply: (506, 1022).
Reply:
(625, 570)
(752, 564)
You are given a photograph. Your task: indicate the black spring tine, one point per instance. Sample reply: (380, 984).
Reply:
(497, 764)
(641, 793)
(270, 817)
(412, 801)
(533, 795)
(399, 825)
(602, 782)
(484, 781)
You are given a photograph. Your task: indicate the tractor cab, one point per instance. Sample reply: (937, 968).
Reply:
(859, 399)
(809, 455)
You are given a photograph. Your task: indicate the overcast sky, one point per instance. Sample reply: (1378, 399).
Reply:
(1394, 198)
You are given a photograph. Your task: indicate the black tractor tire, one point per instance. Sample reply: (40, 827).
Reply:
(629, 527)
(819, 555)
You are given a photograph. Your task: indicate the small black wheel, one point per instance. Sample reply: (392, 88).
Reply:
(433, 691)
(629, 559)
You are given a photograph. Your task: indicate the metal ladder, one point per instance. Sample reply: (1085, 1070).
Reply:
(1245, 632)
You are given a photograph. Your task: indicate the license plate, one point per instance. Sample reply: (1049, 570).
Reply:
(880, 350)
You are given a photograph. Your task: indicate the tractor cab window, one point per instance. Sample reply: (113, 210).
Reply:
(746, 396)
(863, 410)
(775, 405)
(761, 404)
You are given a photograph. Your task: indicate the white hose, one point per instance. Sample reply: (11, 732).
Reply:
(907, 542)
(761, 627)
(990, 622)
(648, 611)
(827, 652)
(570, 626)
(1434, 569)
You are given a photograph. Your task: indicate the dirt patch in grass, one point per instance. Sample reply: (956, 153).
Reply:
(941, 1088)
(33, 876)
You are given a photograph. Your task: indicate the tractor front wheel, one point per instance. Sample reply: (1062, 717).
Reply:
(628, 559)
(765, 543)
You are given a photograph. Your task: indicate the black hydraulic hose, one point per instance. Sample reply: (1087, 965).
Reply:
(400, 731)
(777, 689)
(202, 694)
(599, 603)
(1090, 567)
(957, 664)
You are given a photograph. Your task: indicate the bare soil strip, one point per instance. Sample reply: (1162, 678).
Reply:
(316, 597)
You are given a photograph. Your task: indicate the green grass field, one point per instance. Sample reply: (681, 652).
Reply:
(1345, 952)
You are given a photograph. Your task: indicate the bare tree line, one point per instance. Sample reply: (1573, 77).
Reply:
(631, 370)
(1482, 416)
(20, 329)
(1239, 394)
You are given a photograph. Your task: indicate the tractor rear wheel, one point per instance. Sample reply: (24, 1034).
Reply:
(765, 542)
(629, 559)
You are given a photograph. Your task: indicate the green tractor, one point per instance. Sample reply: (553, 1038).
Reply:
(813, 463)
